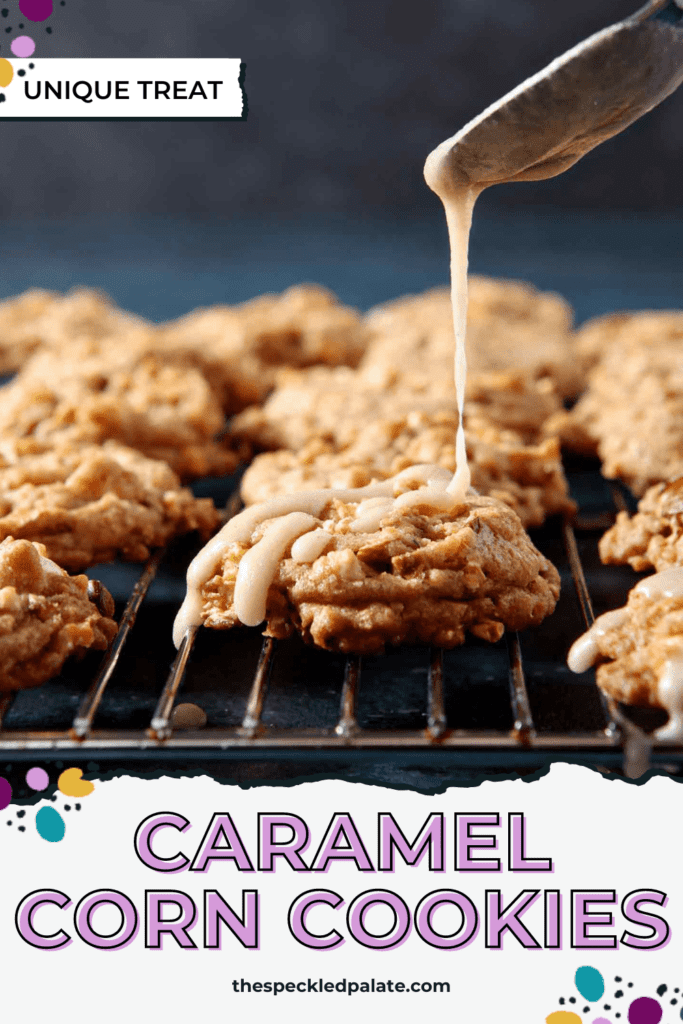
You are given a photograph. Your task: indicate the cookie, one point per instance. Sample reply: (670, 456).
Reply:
(83, 395)
(529, 478)
(511, 327)
(93, 504)
(381, 565)
(241, 348)
(336, 405)
(39, 318)
(639, 648)
(45, 616)
(632, 411)
(653, 537)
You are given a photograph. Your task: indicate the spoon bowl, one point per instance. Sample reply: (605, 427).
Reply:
(579, 100)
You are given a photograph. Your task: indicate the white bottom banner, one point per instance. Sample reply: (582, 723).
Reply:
(508, 903)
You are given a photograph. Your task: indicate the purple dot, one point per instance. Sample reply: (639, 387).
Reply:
(37, 778)
(5, 793)
(36, 10)
(22, 46)
(644, 1011)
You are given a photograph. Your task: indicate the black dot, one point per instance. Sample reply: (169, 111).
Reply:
(617, 979)
(676, 990)
(630, 984)
(586, 1009)
(21, 73)
(9, 822)
(8, 29)
(67, 807)
(617, 1015)
(607, 1006)
(48, 30)
(571, 999)
(22, 828)
(673, 1002)
(21, 814)
(62, 3)
(31, 66)
(5, 12)
(53, 798)
(561, 997)
(618, 994)
(78, 807)
(661, 990)
(21, 26)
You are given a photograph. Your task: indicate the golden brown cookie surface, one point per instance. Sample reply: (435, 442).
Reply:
(639, 648)
(92, 504)
(84, 394)
(420, 576)
(653, 537)
(241, 348)
(632, 411)
(529, 478)
(45, 616)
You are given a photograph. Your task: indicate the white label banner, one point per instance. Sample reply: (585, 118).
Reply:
(183, 899)
(149, 88)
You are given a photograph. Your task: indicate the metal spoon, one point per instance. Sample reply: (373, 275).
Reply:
(587, 95)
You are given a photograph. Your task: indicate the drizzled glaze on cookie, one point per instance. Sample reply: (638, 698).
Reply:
(585, 651)
(296, 516)
(441, 490)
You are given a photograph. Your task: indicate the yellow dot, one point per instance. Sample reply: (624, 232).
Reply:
(72, 783)
(6, 72)
(563, 1017)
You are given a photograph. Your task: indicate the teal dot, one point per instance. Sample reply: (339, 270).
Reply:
(590, 983)
(50, 824)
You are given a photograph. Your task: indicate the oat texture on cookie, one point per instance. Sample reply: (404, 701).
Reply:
(45, 616)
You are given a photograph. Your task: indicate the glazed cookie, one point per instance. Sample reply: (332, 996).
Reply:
(356, 570)
(45, 616)
(92, 504)
(639, 648)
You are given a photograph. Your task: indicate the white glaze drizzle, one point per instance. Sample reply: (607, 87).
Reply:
(584, 652)
(370, 514)
(670, 694)
(668, 583)
(310, 545)
(259, 565)
(458, 204)
(251, 586)
(441, 490)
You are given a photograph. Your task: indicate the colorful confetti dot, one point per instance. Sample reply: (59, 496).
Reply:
(22, 46)
(50, 824)
(6, 72)
(36, 10)
(563, 1017)
(37, 778)
(72, 783)
(5, 793)
(644, 1011)
(601, 1020)
(590, 983)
